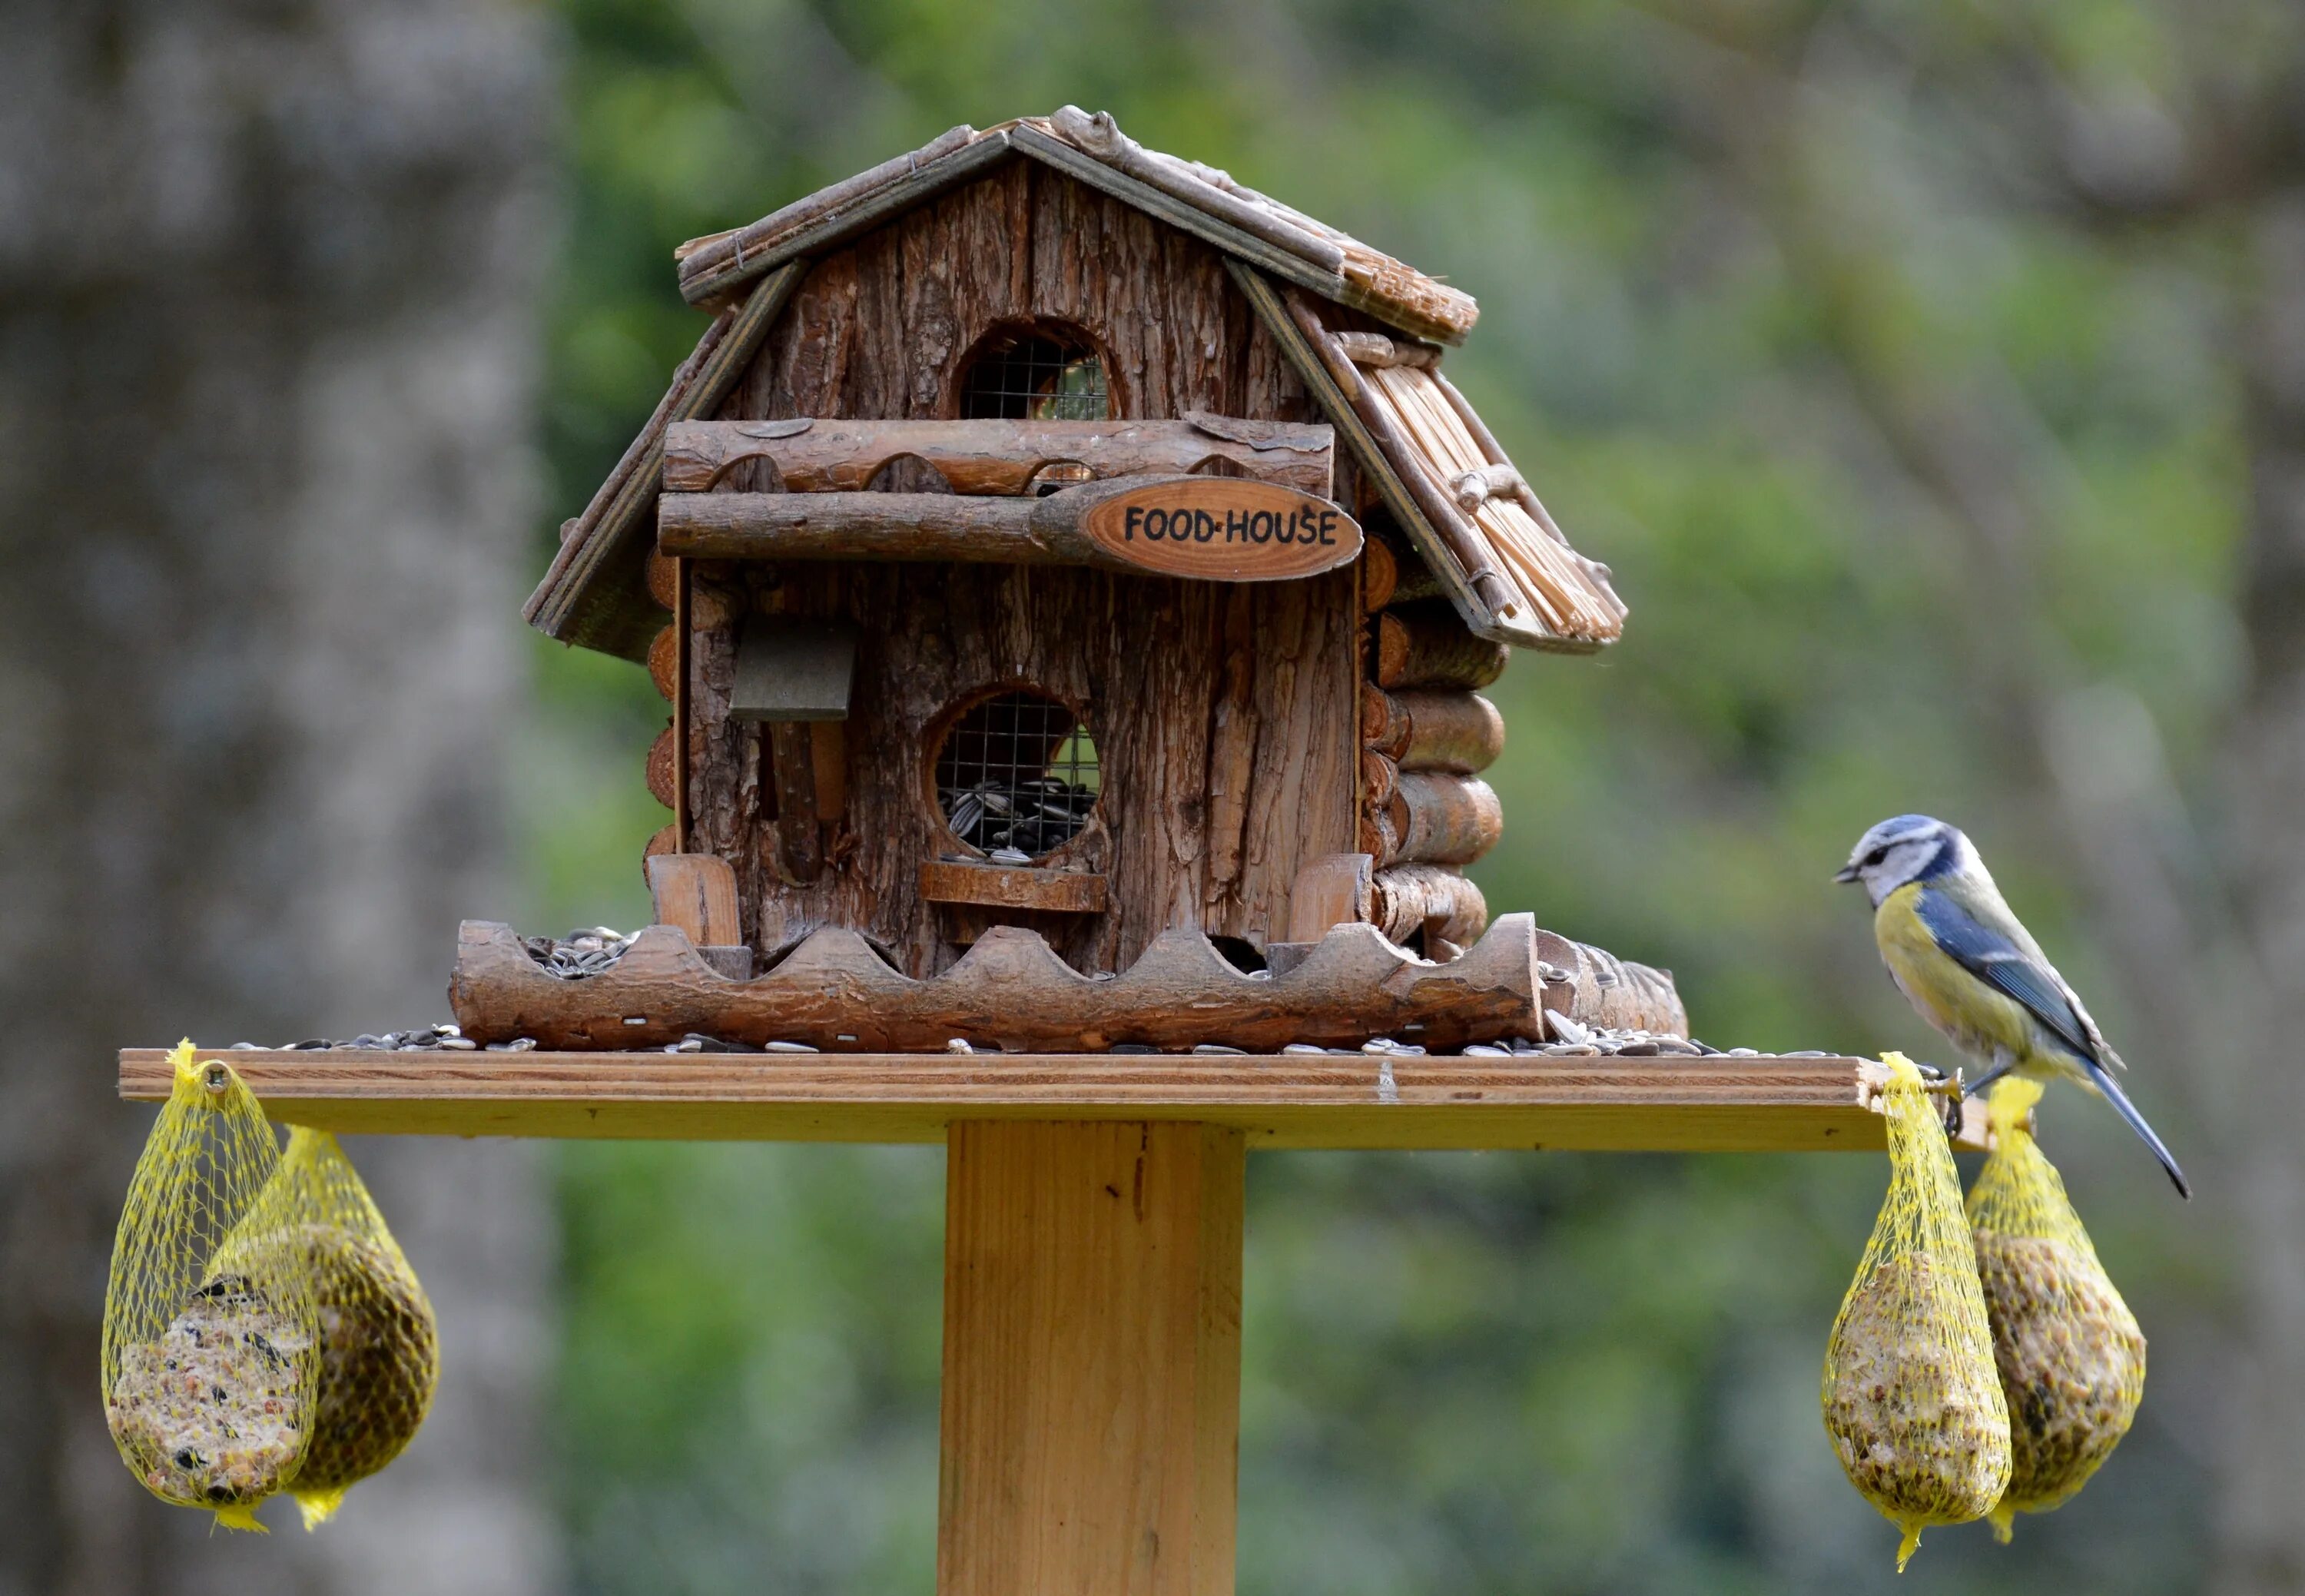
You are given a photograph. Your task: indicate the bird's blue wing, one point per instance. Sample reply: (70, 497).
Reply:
(1994, 959)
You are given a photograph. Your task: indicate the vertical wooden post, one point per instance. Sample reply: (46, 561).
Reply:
(1092, 1360)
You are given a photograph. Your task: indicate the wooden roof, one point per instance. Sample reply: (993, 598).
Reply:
(1510, 573)
(1201, 199)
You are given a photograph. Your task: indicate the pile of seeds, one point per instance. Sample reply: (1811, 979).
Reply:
(1570, 1039)
(1921, 1434)
(445, 1035)
(580, 952)
(211, 1413)
(1033, 816)
(587, 952)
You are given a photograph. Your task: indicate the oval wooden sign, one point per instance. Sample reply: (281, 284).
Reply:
(1223, 529)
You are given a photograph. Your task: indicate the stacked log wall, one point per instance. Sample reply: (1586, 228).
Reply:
(1426, 734)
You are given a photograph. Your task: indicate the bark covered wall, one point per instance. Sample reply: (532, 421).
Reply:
(1225, 715)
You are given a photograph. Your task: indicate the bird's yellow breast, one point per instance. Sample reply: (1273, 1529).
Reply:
(1977, 1018)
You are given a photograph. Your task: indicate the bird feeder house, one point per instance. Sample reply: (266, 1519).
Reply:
(1072, 577)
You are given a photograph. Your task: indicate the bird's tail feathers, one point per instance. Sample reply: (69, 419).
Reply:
(2102, 1079)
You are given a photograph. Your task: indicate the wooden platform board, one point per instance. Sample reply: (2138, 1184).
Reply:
(1712, 1104)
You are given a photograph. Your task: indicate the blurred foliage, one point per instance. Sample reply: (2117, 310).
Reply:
(1741, 271)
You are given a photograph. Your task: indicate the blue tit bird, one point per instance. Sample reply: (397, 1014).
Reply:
(1972, 971)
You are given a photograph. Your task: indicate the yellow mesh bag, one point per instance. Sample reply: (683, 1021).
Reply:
(1911, 1399)
(379, 1353)
(210, 1373)
(2071, 1357)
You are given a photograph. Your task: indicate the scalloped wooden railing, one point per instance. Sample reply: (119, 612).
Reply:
(1010, 989)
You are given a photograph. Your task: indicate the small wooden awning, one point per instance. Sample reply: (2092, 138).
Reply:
(1471, 515)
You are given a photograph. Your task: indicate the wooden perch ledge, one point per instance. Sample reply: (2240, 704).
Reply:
(1649, 1104)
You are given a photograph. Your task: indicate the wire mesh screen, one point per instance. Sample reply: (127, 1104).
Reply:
(1034, 377)
(1018, 776)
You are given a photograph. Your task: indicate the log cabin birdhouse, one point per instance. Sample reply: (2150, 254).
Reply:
(1051, 536)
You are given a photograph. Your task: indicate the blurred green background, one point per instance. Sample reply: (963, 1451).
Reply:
(1907, 410)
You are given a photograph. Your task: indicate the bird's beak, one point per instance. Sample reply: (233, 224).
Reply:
(1847, 874)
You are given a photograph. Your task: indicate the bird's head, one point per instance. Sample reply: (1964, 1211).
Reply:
(1910, 848)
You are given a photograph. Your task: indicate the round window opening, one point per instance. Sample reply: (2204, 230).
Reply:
(1045, 373)
(1018, 776)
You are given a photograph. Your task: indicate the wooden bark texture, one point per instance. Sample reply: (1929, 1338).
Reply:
(1379, 837)
(662, 769)
(718, 252)
(1090, 1397)
(1224, 717)
(1380, 778)
(1474, 487)
(1462, 538)
(661, 577)
(1330, 890)
(1014, 886)
(1059, 529)
(1330, 379)
(834, 992)
(664, 665)
(1384, 724)
(1442, 819)
(800, 841)
(698, 894)
(1425, 645)
(812, 456)
(661, 842)
(1379, 350)
(1428, 899)
(1594, 986)
(1389, 573)
(1380, 574)
(1425, 731)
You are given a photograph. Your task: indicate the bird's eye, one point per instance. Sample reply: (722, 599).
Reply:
(1876, 856)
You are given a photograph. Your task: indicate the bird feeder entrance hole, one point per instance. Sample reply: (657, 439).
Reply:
(1041, 373)
(1017, 775)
